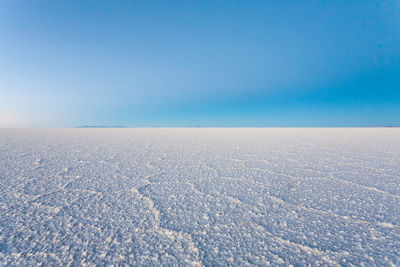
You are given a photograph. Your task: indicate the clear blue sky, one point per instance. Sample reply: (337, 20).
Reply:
(199, 63)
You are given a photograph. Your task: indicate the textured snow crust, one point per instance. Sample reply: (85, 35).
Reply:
(195, 197)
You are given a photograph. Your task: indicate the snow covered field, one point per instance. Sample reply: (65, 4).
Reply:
(200, 196)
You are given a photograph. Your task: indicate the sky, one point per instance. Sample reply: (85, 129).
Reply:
(199, 63)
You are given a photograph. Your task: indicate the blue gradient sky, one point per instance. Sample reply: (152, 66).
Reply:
(199, 63)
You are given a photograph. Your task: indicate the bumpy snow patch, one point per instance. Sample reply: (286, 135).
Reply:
(200, 197)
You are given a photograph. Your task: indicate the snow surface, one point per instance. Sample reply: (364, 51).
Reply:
(200, 196)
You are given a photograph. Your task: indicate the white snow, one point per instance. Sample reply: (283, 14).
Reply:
(317, 196)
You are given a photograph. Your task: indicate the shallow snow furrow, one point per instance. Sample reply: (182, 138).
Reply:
(165, 231)
(324, 255)
(310, 209)
(370, 188)
(324, 212)
(326, 178)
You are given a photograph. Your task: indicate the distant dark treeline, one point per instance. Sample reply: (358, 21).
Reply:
(100, 126)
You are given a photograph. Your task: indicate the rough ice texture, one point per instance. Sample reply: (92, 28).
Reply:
(200, 196)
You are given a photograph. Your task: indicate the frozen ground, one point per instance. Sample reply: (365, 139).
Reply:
(200, 196)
